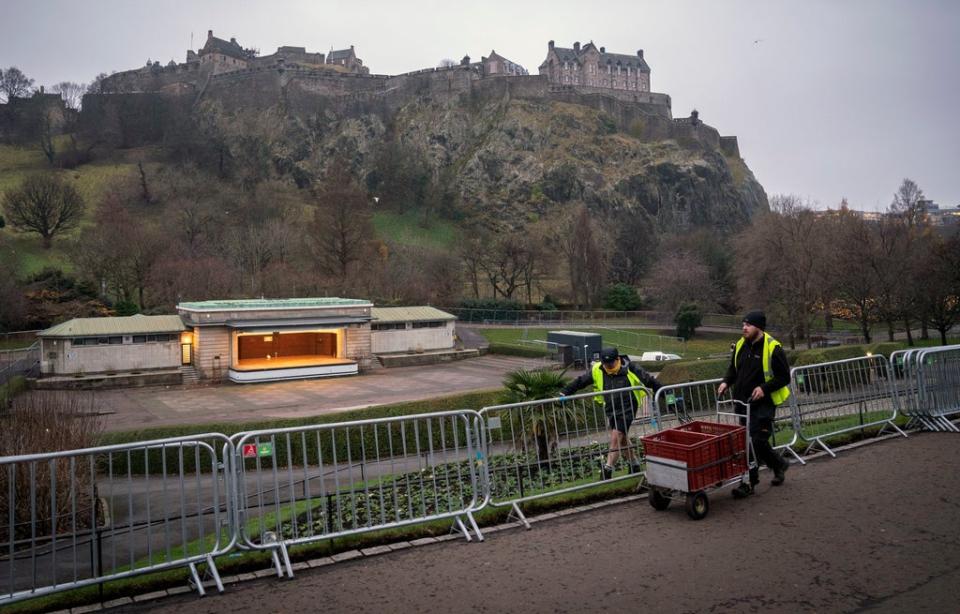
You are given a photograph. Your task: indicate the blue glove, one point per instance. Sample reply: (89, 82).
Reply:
(563, 398)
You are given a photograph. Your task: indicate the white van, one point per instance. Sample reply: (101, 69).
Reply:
(657, 356)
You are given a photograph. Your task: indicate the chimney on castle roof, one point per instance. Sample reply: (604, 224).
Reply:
(209, 34)
(465, 61)
(603, 49)
(576, 46)
(550, 45)
(640, 53)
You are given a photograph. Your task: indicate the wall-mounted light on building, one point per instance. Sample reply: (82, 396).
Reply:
(268, 338)
(186, 338)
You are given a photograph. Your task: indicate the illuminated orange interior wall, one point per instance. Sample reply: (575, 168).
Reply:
(289, 344)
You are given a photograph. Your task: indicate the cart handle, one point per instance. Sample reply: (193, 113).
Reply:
(733, 403)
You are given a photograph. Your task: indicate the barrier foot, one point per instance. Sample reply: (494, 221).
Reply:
(516, 514)
(926, 425)
(473, 524)
(286, 559)
(949, 426)
(459, 527)
(893, 426)
(214, 573)
(196, 580)
(795, 455)
(818, 442)
(276, 563)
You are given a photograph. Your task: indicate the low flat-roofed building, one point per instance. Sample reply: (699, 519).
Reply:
(84, 346)
(411, 329)
(256, 340)
(246, 340)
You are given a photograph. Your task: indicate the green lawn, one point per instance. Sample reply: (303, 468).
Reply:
(629, 341)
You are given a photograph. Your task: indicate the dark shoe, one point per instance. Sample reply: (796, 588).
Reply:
(742, 491)
(780, 473)
(636, 468)
(606, 472)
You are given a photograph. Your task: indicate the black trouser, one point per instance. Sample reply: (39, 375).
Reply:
(761, 428)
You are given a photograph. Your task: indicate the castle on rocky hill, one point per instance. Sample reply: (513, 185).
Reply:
(617, 84)
(587, 67)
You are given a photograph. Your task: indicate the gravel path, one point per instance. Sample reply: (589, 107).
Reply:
(873, 530)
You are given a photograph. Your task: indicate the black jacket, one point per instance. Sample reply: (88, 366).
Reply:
(747, 373)
(615, 381)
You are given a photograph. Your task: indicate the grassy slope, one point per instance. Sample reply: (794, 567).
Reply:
(91, 180)
(407, 229)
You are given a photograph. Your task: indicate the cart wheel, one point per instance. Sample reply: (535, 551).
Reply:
(698, 505)
(658, 500)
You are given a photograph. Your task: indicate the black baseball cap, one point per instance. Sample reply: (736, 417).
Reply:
(609, 355)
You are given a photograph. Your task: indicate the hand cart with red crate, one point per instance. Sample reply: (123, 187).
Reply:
(698, 457)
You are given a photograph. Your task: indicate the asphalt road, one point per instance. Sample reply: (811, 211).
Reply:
(874, 530)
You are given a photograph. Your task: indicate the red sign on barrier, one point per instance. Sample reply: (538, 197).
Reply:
(249, 450)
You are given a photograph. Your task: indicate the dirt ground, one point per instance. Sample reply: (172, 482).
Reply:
(873, 530)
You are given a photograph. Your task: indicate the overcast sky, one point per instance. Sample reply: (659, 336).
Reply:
(830, 98)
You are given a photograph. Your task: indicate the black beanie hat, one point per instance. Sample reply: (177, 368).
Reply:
(756, 318)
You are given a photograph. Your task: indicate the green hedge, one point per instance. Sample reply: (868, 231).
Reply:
(517, 350)
(696, 370)
(679, 372)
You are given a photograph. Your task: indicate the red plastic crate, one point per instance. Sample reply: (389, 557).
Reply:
(712, 452)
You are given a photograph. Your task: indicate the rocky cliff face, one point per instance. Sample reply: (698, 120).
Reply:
(511, 149)
(520, 159)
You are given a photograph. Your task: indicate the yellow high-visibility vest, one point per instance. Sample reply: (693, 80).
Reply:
(769, 344)
(598, 384)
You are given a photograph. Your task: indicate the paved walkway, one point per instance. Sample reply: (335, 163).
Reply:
(137, 408)
(874, 530)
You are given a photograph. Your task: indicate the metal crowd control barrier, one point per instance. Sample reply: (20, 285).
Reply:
(537, 449)
(681, 403)
(939, 386)
(903, 364)
(83, 517)
(305, 484)
(842, 396)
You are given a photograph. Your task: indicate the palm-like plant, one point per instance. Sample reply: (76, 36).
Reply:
(533, 423)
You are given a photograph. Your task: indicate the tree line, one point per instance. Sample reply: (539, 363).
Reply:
(894, 271)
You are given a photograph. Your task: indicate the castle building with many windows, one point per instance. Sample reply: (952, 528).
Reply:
(592, 66)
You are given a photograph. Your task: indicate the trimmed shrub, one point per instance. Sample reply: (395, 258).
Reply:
(622, 297)
(693, 370)
(688, 319)
(517, 350)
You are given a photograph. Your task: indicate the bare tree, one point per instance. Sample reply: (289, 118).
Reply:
(681, 277)
(446, 63)
(511, 263)
(852, 243)
(44, 204)
(780, 264)
(14, 84)
(581, 242)
(939, 282)
(473, 252)
(907, 204)
(341, 229)
(72, 93)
